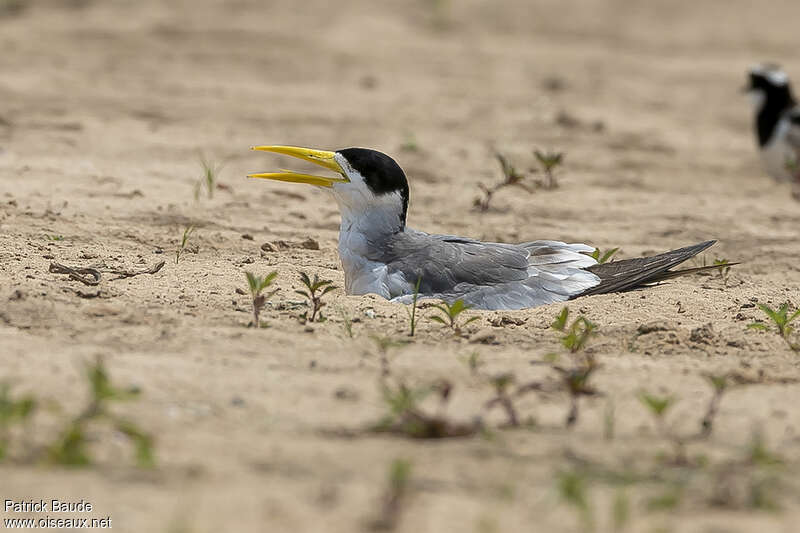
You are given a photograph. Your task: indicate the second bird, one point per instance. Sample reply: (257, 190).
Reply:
(777, 121)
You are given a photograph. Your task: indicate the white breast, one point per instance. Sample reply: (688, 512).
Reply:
(777, 152)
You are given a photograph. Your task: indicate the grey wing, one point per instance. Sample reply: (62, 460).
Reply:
(491, 275)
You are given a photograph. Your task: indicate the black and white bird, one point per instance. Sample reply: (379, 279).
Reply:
(777, 121)
(381, 255)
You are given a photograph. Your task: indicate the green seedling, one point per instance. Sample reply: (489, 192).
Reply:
(410, 144)
(257, 284)
(412, 313)
(782, 318)
(347, 321)
(793, 166)
(657, 405)
(576, 382)
(12, 411)
(315, 290)
(719, 384)
(439, 13)
(759, 454)
(407, 419)
(501, 384)
(578, 334)
(208, 180)
(724, 269)
(13, 7)
(603, 257)
(574, 491)
(184, 241)
(549, 161)
(511, 177)
(394, 497)
(384, 344)
(474, 362)
(620, 511)
(54, 238)
(72, 447)
(560, 323)
(450, 315)
(609, 420)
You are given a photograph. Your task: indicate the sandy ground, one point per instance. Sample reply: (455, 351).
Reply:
(105, 111)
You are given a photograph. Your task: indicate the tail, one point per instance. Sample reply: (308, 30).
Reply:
(629, 274)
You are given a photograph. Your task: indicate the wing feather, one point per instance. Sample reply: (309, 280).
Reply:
(488, 275)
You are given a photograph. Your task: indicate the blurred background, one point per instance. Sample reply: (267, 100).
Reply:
(109, 107)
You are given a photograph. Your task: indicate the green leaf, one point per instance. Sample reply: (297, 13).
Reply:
(608, 255)
(267, 281)
(561, 320)
(328, 289)
(438, 319)
(758, 325)
(253, 282)
(658, 405)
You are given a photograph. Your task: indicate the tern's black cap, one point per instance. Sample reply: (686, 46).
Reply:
(381, 173)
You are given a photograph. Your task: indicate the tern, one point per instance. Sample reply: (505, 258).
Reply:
(777, 121)
(381, 255)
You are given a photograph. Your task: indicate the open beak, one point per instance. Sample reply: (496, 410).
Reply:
(318, 157)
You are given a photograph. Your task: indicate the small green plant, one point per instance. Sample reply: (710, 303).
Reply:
(257, 284)
(782, 318)
(657, 405)
(410, 144)
(561, 320)
(184, 241)
(620, 511)
(412, 314)
(719, 384)
(759, 454)
(54, 238)
(474, 362)
(577, 334)
(208, 180)
(12, 411)
(71, 448)
(394, 497)
(315, 290)
(406, 418)
(549, 161)
(13, 7)
(793, 166)
(511, 177)
(384, 344)
(724, 269)
(603, 257)
(576, 382)
(450, 315)
(501, 384)
(347, 321)
(573, 490)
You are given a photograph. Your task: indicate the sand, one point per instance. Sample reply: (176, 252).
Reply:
(106, 109)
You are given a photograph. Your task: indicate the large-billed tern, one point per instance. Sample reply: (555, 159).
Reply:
(381, 255)
(777, 121)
